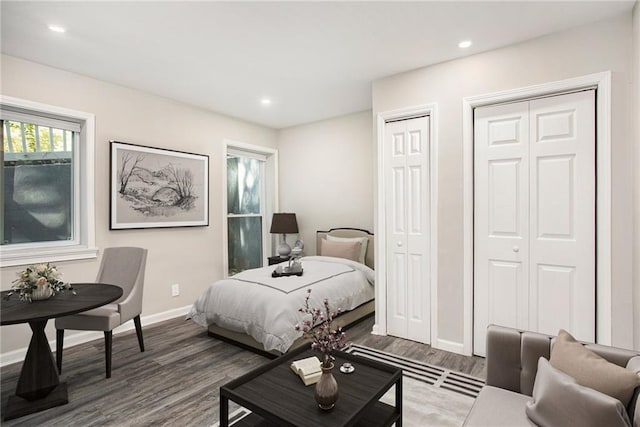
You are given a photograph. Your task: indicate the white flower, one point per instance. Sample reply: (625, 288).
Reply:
(39, 275)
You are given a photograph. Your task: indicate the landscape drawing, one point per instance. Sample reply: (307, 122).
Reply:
(152, 187)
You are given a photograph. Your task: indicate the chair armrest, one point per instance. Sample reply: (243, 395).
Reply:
(131, 306)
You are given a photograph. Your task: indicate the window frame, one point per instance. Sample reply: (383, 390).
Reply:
(83, 244)
(269, 191)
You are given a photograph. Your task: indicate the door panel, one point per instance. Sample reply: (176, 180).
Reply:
(501, 216)
(508, 304)
(396, 214)
(408, 219)
(563, 204)
(398, 200)
(555, 197)
(504, 214)
(555, 286)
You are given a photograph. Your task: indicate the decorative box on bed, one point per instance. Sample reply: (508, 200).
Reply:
(254, 310)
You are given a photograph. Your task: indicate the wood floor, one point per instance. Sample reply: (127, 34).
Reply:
(360, 334)
(176, 381)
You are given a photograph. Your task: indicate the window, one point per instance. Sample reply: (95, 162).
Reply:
(47, 183)
(250, 194)
(245, 192)
(38, 181)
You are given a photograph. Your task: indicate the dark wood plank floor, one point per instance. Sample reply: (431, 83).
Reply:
(176, 381)
(360, 334)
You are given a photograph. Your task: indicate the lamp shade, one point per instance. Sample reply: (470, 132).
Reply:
(284, 223)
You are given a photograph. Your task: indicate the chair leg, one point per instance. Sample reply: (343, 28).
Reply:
(136, 320)
(108, 338)
(59, 345)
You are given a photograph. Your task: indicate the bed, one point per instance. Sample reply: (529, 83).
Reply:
(254, 310)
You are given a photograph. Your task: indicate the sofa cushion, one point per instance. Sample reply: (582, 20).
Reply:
(496, 406)
(591, 370)
(559, 400)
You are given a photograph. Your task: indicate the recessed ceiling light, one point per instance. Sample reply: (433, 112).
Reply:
(265, 101)
(464, 44)
(57, 28)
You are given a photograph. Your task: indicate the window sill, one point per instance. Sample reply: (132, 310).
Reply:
(13, 257)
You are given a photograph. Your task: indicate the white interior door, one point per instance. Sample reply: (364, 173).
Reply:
(406, 150)
(534, 216)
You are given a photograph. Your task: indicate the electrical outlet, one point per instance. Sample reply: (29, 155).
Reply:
(175, 290)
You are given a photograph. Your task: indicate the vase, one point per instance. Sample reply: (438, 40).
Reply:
(41, 292)
(326, 389)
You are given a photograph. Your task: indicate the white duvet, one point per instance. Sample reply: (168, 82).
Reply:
(266, 308)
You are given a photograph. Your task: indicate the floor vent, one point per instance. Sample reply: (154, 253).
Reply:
(430, 374)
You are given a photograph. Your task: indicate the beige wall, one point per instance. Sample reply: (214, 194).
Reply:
(326, 175)
(593, 48)
(191, 257)
(636, 138)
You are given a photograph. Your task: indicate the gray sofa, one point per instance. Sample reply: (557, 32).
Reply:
(512, 364)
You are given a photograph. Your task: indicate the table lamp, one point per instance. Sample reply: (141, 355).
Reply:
(284, 223)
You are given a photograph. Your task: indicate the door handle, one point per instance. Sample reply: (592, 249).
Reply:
(516, 249)
(399, 244)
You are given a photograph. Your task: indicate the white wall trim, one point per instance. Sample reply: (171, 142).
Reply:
(451, 346)
(602, 83)
(431, 109)
(18, 355)
(272, 160)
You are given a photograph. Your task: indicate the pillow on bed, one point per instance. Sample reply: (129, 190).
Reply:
(348, 250)
(363, 245)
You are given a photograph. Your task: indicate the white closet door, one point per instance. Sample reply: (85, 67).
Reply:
(501, 207)
(534, 226)
(563, 238)
(407, 212)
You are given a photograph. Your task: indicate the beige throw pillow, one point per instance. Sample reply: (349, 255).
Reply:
(591, 370)
(363, 244)
(347, 250)
(558, 400)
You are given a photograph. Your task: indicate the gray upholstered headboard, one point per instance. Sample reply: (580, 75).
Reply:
(350, 232)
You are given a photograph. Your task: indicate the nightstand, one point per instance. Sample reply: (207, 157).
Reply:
(277, 259)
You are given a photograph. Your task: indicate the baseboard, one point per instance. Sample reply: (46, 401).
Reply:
(376, 330)
(18, 355)
(451, 346)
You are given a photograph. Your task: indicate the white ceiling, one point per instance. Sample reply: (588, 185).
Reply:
(315, 60)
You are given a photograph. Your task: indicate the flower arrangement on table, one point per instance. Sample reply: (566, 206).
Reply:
(39, 281)
(324, 339)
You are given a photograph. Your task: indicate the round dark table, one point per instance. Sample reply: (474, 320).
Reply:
(39, 386)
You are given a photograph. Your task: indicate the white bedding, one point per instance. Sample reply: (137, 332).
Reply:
(266, 308)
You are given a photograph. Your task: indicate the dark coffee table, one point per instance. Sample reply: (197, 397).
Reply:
(276, 396)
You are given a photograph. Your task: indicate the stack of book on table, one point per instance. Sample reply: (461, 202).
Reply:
(308, 369)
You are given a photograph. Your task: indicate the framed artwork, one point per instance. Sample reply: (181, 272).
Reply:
(153, 187)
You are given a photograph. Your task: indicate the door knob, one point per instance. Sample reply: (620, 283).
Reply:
(399, 244)
(516, 249)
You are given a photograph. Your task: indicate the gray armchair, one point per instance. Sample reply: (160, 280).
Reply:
(121, 266)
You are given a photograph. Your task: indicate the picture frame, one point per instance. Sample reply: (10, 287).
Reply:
(156, 187)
